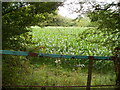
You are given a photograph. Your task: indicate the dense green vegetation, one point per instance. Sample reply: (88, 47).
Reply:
(59, 72)
(27, 27)
(108, 21)
(18, 16)
(71, 41)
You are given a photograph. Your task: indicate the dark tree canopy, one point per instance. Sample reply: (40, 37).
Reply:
(18, 16)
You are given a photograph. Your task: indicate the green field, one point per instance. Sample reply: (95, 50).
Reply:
(64, 72)
(42, 45)
(66, 40)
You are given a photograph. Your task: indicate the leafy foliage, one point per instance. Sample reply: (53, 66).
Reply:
(17, 16)
(83, 22)
(70, 41)
(56, 71)
(15, 70)
(108, 21)
(58, 20)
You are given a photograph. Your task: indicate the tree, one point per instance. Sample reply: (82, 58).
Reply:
(108, 21)
(83, 22)
(58, 20)
(17, 17)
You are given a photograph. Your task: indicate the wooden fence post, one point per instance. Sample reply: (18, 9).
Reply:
(117, 66)
(89, 72)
